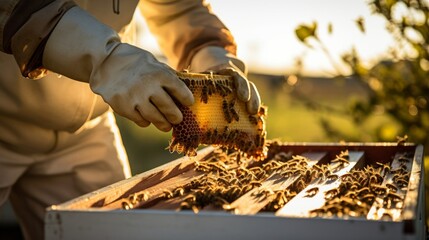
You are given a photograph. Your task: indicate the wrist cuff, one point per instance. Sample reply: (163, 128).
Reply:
(210, 57)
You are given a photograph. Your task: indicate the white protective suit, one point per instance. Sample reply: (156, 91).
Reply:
(59, 140)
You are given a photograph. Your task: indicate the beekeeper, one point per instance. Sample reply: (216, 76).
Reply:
(58, 136)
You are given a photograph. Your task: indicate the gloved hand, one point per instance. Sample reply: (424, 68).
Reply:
(219, 61)
(129, 79)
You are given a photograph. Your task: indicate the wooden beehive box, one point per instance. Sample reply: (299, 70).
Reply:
(138, 208)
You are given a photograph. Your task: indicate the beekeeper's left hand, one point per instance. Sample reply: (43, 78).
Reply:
(219, 61)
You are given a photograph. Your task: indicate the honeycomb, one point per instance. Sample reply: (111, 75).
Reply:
(217, 118)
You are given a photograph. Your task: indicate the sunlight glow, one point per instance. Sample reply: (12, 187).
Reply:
(265, 33)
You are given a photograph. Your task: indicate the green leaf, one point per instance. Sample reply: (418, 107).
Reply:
(303, 32)
(360, 22)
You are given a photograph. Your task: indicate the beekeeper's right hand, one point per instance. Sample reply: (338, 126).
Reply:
(129, 79)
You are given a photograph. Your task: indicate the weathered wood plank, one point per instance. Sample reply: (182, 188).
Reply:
(123, 188)
(157, 191)
(300, 205)
(413, 213)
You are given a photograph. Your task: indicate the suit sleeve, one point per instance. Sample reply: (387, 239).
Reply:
(25, 26)
(183, 27)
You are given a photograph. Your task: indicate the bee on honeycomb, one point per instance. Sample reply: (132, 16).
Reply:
(218, 118)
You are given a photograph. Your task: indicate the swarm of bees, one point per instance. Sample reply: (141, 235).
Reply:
(229, 176)
(218, 118)
(359, 189)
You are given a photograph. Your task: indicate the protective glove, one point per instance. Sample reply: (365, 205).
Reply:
(219, 61)
(129, 79)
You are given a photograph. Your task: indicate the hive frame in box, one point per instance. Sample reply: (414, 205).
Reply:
(77, 219)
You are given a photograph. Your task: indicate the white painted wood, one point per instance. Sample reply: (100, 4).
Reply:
(159, 224)
(66, 221)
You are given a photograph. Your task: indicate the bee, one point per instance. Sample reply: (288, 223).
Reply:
(227, 207)
(255, 183)
(351, 194)
(226, 112)
(373, 179)
(391, 187)
(401, 140)
(300, 184)
(348, 201)
(259, 194)
(204, 94)
(386, 216)
(345, 154)
(253, 120)
(378, 176)
(402, 182)
(317, 212)
(185, 205)
(311, 192)
(190, 198)
(223, 180)
(353, 213)
(215, 137)
(222, 89)
(234, 114)
(187, 82)
(247, 188)
(207, 136)
(232, 110)
(246, 147)
(234, 181)
(395, 197)
(341, 159)
(257, 170)
(202, 168)
(267, 192)
(217, 166)
(179, 191)
(386, 168)
(354, 187)
(260, 140)
(363, 191)
(403, 160)
(318, 174)
(126, 205)
(133, 198)
(346, 176)
(234, 191)
(195, 209)
(379, 189)
(330, 194)
(211, 87)
(404, 168)
(219, 201)
(173, 144)
(232, 135)
(332, 177)
(224, 135)
(142, 196)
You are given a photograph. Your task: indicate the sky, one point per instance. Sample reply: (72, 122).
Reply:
(265, 33)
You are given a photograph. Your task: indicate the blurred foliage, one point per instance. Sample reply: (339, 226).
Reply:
(397, 87)
(303, 32)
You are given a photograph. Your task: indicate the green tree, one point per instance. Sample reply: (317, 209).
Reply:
(398, 86)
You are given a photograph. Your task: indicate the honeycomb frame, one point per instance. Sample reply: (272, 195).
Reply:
(218, 118)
